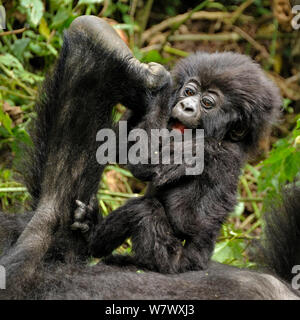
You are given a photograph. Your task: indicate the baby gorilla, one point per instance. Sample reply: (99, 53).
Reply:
(175, 225)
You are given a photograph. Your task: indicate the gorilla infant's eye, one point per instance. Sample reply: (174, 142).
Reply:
(208, 102)
(189, 92)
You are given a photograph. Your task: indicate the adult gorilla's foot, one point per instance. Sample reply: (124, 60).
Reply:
(152, 76)
(155, 75)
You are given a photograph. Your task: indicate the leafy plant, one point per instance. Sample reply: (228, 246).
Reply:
(283, 163)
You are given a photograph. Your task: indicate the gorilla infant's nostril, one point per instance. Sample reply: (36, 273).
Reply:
(188, 108)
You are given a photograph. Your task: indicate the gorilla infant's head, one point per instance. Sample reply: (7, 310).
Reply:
(226, 94)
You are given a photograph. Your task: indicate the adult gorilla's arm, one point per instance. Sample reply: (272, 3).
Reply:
(95, 70)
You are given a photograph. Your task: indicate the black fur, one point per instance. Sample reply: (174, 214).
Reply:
(280, 246)
(90, 77)
(192, 208)
(73, 279)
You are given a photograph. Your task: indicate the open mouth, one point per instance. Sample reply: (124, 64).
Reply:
(177, 125)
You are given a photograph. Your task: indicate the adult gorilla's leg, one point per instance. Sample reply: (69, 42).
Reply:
(95, 70)
(11, 226)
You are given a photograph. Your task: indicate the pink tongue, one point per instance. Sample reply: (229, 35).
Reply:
(179, 126)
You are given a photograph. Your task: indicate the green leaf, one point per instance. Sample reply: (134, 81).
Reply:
(229, 251)
(56, 4)
(123, 8)
(34, 10)
(36, 48)
(238, 210)
(80, 2)
(216, 5)
(222, 252)
(292, 165)
(153, 56)
(43, 29)
(10, 61)
(17, 68)
(61, 16)
(6, 174)
(283, 163)
(19, 47)
(5, 121)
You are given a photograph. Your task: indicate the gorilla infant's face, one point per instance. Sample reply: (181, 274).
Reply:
(194, 102)
(226, 94)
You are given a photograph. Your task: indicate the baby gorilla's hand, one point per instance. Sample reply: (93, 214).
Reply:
(86, 217)
(80, 217)
(168, 173)
(179, 164)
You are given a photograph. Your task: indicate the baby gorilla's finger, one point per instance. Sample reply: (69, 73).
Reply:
(83, 227)
(93, 204)
(168, 173)
(81, 211)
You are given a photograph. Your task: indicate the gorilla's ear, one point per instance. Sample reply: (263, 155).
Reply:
(238, 132)
(239, 128)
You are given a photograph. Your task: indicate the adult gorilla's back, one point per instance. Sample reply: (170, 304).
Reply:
(218, 282)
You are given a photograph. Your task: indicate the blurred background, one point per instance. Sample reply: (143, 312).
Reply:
(160, 31)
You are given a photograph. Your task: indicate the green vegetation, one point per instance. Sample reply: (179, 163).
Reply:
(160, 31)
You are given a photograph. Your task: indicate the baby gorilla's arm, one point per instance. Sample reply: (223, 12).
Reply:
(113, 230)
(116, 228)
(165, 174)
(154, 245)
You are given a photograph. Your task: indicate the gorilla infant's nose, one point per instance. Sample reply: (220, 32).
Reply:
(187, 111)
(189, 108)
